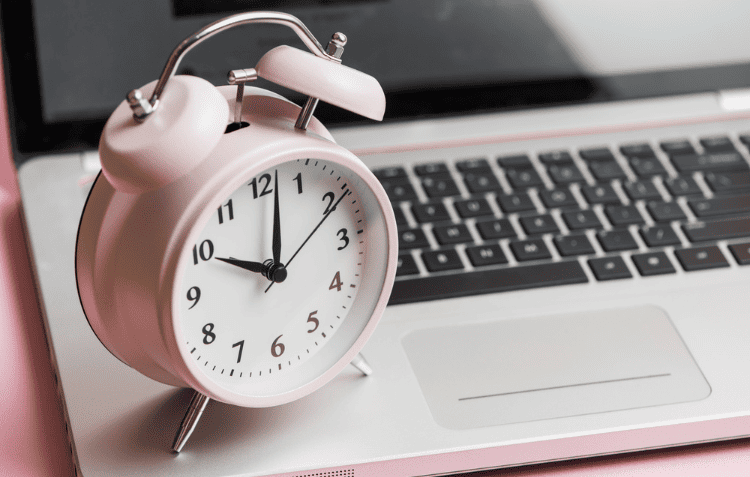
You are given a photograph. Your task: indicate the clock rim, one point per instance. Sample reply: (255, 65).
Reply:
(187, 232)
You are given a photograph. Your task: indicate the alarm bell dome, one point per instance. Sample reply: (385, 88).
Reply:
(187, 125)
(326, 80)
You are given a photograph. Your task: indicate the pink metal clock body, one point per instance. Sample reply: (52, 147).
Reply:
(141, 220)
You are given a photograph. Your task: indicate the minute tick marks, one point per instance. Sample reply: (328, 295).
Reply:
(296, 188)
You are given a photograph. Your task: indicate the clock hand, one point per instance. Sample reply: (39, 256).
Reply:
(276, 222)
(346, 192)
(268, 268)
(256, 267)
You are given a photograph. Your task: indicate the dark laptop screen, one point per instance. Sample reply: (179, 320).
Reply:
(68, 63)
(430, 56)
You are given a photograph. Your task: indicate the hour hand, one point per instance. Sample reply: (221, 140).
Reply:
(256, 267)
(269, 269)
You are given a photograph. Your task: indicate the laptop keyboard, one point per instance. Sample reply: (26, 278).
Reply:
(492, 224)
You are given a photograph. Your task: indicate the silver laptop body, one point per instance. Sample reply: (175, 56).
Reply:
(536, 358)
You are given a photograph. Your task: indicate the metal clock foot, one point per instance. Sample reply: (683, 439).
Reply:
(192, 416)
(361, 364)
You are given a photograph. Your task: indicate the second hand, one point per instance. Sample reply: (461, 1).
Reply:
(346, 192)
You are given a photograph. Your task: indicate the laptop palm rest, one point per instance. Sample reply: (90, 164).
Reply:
(524, 370)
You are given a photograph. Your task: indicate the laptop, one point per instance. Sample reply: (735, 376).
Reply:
(570, 182)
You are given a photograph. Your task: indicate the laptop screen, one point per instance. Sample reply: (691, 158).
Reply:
(69, 63)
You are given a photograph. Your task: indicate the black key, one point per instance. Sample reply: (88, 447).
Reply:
(641, 190)
(556, 157)
(616, 240)
(717, 144)
(581, 219)
(684, 185)
(532, 249)
(637, 150)
(432, 212)
(406, 265)
(741, 252)
(723, 161)
(596, 154)
(400, 217)
(451, 234)
(482, 255)
(398, 191)
(712, 230)
(473, 208)
(677, 147)
(655, 263)
(575, 244)
(558, 198)
(745, 139)
(439, 186)
(647, 166)
(724, 205)
(431, 168)
(442, 260)
(473, 165)
(522, 178)
(609, 268)
(389, 172)
(539, 224)
(660, 236)
(623, 215)
(412, 238)
(665, 211)
(487, 281)
(564, 173)
(606, 170)
(481, 181)
(728, 181)
(601, 194)
(520, 161)
(520, 202)
(701, 258)
(495, 229)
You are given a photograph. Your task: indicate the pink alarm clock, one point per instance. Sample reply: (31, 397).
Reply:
(229, 244)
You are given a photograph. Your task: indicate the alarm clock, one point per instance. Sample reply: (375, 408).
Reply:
(229, 245)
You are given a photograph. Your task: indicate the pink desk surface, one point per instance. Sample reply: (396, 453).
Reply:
(32, 429)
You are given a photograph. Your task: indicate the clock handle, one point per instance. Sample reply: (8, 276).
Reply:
(143, 107)
(192, 416)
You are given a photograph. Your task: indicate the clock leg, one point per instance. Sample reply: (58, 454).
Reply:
(361, 364)
(192, 416)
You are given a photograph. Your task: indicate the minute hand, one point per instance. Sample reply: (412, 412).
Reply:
(346, 192)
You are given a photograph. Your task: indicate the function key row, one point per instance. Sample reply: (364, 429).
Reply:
(718, 155)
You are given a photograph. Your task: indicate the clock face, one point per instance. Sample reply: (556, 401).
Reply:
(253, 326)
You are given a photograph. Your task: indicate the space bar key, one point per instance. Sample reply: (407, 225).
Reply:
(486, 281)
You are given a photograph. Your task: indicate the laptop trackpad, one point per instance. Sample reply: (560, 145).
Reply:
(543, 368)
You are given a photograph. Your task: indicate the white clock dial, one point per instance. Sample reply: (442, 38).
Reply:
(244, 330)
